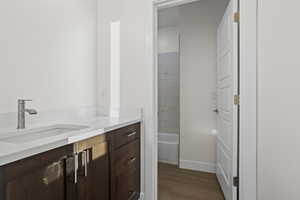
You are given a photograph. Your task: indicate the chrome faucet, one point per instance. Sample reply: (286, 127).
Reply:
(21, 113)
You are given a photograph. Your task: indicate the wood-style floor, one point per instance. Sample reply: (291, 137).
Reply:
(180, 184)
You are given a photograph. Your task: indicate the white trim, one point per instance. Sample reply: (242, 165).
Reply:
(248, 92)
(168, 148)
(162, 4)
(248, 107)
(198, 166)
(155, 96)
(166, 142)
(168, 162)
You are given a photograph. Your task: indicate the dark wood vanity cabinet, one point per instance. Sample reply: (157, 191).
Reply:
(106, 167)
(93, 170)
(39, 177)
(125, 159)
(94, 185)
(53, 176)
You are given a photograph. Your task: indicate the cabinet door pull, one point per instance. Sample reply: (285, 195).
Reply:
(75, 167)
(131, 134)
(88, 156)
(53, 173)
(84, 161)
(132, 160)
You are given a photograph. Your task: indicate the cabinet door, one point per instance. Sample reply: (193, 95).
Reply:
(39, 177)
(93, 174)
(46, 183)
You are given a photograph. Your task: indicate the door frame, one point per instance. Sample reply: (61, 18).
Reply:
(248, 93)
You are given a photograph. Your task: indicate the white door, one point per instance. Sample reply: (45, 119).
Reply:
(227, 86)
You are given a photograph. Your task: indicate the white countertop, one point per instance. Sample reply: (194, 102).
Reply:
(10, 152)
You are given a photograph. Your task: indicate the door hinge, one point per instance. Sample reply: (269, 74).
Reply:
(237, 17)
(236, 181)
(236, 99)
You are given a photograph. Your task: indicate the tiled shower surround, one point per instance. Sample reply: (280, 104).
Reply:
(168, 92)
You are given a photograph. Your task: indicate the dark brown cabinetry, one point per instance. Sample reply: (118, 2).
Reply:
(95, 184)
(125, 163)
(106, 167)
(93, 169)
(39, 177)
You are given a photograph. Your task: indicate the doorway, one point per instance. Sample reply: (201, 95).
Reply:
(207, 83)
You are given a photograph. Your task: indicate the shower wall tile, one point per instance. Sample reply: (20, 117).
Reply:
(168, 92)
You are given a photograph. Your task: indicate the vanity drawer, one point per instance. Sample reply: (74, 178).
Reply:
(127, 157)
(125, 135)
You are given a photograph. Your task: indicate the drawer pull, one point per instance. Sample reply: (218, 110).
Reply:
(132, 160)
(131, 134)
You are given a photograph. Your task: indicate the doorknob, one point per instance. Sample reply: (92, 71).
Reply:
(216, 110)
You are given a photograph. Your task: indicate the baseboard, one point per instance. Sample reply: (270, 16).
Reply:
(141, 196)
(168, 148)
(198, 166)
(168, 162)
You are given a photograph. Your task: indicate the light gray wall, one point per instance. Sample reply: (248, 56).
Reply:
(278, 100)
(48, 53)
(198, 23)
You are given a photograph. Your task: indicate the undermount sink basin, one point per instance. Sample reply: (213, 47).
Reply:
(26, 136)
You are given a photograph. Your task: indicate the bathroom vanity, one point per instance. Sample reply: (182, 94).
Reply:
(95, 167)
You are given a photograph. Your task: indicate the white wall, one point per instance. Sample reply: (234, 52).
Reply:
(198, 24)
(48, 53)
(278, 100)
(108, 12)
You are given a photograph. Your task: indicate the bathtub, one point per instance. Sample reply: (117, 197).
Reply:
(168, 147)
